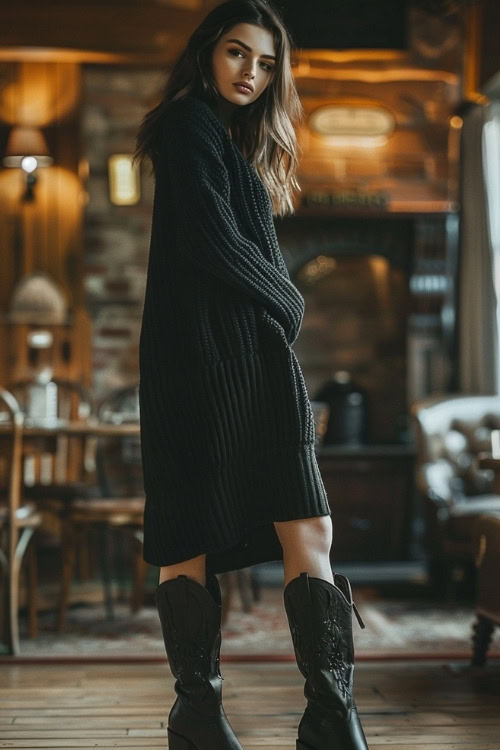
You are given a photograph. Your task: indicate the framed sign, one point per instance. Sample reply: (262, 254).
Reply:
(352, 124)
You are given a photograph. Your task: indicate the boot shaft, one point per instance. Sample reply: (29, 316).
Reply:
(320, 619)
(190, 617)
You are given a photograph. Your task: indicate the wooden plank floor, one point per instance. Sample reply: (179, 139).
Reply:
(403, 705)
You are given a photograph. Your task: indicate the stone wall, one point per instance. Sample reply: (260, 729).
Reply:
(116, 237)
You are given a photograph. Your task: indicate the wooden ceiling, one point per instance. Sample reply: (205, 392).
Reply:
(154, 32)
(141, 31)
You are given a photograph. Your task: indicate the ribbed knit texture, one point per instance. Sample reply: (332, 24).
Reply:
(227, 430)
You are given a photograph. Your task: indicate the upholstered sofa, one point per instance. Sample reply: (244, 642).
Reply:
(451, 431)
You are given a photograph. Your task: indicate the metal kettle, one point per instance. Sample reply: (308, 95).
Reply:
(348, 418)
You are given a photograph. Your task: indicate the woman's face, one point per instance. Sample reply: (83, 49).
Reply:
(245, 53)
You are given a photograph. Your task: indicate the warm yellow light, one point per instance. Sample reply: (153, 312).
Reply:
(123, 180)
(316, 269)
(356, 141)
(456, 122)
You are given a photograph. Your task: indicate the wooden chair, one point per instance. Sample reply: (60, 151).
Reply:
(247, 586)
(452, 430)
(119, 468)
(486, 536)
(121, 504)
(58, 469)
(18, 522)
(59, 473)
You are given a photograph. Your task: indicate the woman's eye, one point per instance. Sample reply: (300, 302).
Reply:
(268, 68)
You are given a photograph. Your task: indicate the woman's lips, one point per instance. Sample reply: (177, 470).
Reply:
(243, 89)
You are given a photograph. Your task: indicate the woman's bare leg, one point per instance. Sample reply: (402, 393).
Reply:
(306, 546)
(194, 568)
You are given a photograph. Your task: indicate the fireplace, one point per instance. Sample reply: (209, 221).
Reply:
(375, 289)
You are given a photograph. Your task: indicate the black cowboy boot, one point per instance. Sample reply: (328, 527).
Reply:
(320, 618)
(190, 616)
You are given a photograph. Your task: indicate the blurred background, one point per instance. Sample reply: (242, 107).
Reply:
(394, 245)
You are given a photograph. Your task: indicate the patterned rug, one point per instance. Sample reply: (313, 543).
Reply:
(397, 626)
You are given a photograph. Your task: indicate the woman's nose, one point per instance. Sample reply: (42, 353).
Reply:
(249, 71)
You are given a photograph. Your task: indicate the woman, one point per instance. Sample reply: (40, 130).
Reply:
(227, 429)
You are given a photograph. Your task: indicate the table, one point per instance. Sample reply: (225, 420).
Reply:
(66, 468)
(89, 428)
(41, 443)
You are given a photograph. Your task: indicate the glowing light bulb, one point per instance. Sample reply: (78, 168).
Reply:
(29, 163)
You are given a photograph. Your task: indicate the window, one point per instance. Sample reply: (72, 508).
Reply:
(491, 162)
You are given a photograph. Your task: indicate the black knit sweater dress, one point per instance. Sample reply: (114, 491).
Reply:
(227, 430)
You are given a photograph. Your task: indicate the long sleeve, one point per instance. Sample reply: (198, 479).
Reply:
(207, 225)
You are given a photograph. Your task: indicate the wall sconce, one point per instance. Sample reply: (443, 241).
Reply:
(27, 149)
(124, 188)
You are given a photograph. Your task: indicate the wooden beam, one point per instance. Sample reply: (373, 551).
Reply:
(95, 31)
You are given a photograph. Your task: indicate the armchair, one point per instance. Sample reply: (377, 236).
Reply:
(451, 430)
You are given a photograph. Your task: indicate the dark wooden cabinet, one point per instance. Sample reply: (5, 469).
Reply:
(371, 494)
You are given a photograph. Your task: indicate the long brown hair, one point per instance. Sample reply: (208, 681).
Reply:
(263, 130)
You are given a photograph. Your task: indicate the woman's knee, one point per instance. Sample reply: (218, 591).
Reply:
(316, 531)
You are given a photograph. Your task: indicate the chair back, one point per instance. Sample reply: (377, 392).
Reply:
(119, 461)
(11, 426)
(451, 431)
